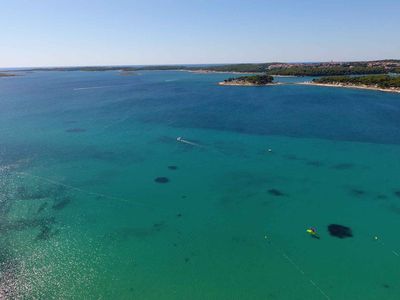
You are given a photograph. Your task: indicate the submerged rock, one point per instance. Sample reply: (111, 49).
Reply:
(357, 192)
(340, 231)
(61, 204)
(42, 207)
(161, 180)
(276, 192)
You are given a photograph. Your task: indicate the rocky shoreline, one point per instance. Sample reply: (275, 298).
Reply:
(352, 86)
(241, 83)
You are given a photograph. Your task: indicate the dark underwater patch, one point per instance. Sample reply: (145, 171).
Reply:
(172, 167)
(343, 166)
(397, 193)
(340, 231)
(159, 225)
(394, 208)
(22, 224)
(24, 193)
(61, 204)
(75, 130)
(45, 233)
(42, 207)
(276, 192)
(357, 192)
(161, 180)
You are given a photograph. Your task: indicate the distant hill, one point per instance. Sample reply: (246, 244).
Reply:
(275, 68)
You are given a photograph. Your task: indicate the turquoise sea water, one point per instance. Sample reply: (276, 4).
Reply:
(82, 217)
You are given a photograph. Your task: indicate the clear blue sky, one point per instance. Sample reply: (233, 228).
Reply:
(112, 32)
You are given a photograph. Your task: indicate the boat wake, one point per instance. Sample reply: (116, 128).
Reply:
(98, 87)
(181, 140)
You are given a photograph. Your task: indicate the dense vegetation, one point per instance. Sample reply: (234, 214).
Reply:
(255, 79)
(243, 68)
(327, 70)
(295, 69)
(381, 81)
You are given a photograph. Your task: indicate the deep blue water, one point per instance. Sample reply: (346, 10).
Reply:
(193, 100)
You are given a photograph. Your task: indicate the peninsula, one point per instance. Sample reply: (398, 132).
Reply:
(254, 80)
(385, 83)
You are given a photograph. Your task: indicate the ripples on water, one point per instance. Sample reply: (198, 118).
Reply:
(98, 198)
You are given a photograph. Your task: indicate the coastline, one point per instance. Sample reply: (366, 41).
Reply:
(290, 76)
(4, 75)
(223, 83)
(351, 86)
(220, 72)
(235, 72)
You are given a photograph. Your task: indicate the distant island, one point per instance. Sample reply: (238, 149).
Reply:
(275, 68)
(7, 75)
(386, 83)
(254, 80)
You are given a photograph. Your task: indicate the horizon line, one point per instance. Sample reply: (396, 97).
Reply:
(193, 64)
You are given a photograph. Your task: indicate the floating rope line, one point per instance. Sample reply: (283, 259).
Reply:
(297, 267)
(395, 253)
(82, 190)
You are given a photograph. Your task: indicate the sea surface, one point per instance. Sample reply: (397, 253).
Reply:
(164, 185)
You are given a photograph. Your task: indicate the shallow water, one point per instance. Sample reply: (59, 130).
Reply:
(84, 216)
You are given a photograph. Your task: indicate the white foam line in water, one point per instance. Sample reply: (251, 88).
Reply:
(82, 190)
(181, 140)
(318, 288)
(98, 87)
(297, 267)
